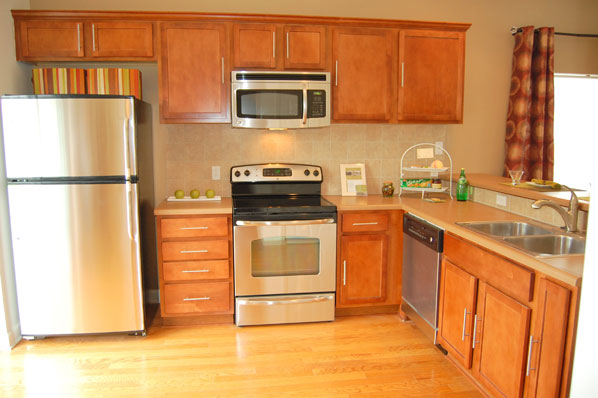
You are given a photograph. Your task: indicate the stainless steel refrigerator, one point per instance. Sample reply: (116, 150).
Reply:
(78, 173)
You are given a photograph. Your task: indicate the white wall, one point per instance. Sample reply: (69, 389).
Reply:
(14, 79)
(585, 372)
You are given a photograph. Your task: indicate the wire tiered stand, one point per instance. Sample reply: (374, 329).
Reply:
(433, 172)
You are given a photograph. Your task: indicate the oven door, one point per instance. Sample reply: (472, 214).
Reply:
(284, 257)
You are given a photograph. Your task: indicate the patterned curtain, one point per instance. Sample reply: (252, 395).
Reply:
(529, 134)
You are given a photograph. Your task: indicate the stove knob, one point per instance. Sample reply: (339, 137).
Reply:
(306, 172)
(237, 173)
(246, 172)
(316, 173)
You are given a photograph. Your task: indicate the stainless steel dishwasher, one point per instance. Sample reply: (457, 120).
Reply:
(422, 251)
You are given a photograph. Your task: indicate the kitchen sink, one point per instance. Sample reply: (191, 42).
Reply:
(506, 228)
(548, 245)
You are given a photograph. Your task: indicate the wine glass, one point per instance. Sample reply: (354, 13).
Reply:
(515, 176)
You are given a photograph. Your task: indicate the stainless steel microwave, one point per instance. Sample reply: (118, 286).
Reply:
(280, 100)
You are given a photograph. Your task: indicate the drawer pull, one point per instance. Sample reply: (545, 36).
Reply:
(195, 270)
(186, 228)
(365, 223)
(193, 251)
(197, 298)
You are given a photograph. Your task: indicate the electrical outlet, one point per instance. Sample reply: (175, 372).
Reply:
(215, 172)
(437, 150)
(501, 200)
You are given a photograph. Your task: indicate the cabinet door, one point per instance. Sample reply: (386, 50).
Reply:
(362, 62)
(193, 81)
(122, 39)
(363, 265)
(50, 40)
(546, 347)
(305, 47)
(254, 45)
(455, 311)
(500, 342)
(431, 67)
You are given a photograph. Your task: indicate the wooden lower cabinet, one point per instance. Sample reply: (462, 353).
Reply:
(195, 269)
(369, 258)
(512, 339)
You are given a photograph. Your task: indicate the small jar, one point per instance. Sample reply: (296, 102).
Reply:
(387, 189)
(437, 184)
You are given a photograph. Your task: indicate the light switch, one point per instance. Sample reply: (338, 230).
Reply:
(215, 172)
(438, 147)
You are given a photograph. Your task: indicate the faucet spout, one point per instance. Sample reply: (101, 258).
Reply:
(569, 216)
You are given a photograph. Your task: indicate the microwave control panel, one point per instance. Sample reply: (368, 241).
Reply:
(316, 103)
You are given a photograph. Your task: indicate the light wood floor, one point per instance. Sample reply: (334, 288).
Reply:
(360, 356)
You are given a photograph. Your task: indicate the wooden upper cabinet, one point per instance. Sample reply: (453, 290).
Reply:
(305, 47)
(194, 82)
(48, 40)
(121, 39)
(254, 45)
(500, 342)
(362, 74)
(456, 310)
(431, 75)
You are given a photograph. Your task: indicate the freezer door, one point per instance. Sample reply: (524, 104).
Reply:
(69, 137)
(77, 258)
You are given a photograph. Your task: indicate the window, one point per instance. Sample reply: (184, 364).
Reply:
(575, 129)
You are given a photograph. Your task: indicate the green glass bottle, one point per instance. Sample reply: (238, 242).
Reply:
(462, 186)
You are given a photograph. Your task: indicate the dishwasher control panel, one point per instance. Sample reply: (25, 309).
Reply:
(424, 232)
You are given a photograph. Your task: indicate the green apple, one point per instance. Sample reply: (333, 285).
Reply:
(195, 193)
(179, 194)
(210, 193)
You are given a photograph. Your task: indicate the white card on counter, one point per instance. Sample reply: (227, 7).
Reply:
(425, 153)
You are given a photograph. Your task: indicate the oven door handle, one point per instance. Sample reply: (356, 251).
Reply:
(288, 222)
(280, 301)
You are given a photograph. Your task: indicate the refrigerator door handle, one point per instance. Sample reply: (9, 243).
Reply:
(130, 223)
(127, 151)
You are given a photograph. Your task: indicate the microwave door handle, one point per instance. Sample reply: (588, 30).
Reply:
(304, 122)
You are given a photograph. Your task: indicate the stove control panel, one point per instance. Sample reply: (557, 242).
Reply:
(276, 172)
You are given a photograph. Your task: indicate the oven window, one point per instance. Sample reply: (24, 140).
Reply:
(285, 255)
(270, 104)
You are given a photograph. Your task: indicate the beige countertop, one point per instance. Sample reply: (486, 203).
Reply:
(166, 208)
(445, 215)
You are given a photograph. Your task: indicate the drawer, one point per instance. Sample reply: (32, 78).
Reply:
(197, 297)
(516, 281)
(194, 227)
(195, 250)
(195, 270)
(364, 222)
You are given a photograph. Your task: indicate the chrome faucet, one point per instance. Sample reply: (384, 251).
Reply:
(569, 216)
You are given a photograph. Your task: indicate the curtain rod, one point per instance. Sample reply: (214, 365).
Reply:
(518, 30)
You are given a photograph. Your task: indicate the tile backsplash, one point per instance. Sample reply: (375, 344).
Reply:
(192, 150)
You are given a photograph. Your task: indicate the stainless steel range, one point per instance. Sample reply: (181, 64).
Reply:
(284, 245)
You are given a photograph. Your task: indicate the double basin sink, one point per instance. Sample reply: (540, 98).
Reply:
(536, 240)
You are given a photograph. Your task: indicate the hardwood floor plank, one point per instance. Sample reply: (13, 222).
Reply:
(353, 357)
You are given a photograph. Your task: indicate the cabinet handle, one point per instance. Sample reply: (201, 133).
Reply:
(193, 251)
(464, 323)
(475, 330)
(185, 228)
(287, 44)
(344, 272)
(222, 70)
(196, 298)
(273, 44)
(529, 354)
(364, 223)
(336, 73)
(93, 36)
(194, 271)
(78, 37)
(402, 74)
